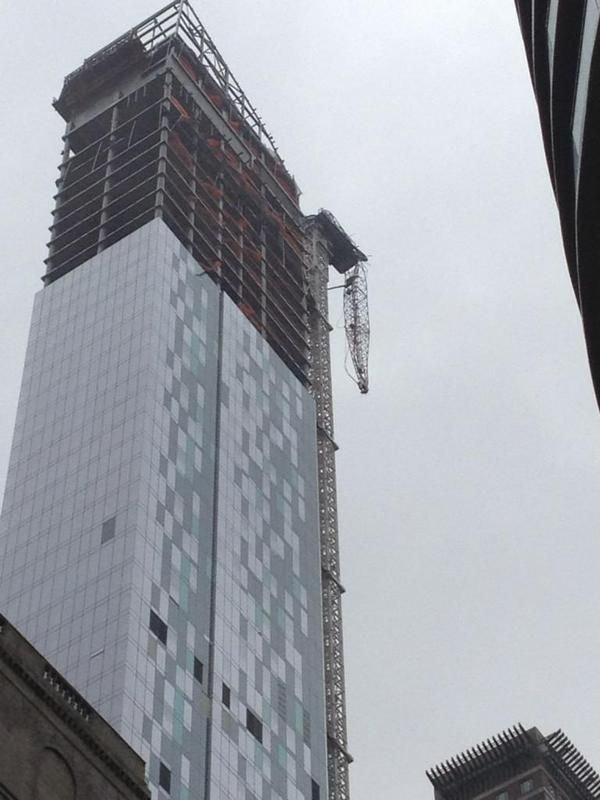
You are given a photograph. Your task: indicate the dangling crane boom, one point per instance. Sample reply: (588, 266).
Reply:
(351, 262)
(356, 323)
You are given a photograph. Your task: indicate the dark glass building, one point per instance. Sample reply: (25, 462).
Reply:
(169, 532)
(517, 764)
(561, 41)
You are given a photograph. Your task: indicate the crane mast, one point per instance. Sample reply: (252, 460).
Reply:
(329, 244)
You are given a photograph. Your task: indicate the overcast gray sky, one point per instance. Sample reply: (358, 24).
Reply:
(469, 476)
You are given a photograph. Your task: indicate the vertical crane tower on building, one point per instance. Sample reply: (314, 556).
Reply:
(329, 244)
(179, 148)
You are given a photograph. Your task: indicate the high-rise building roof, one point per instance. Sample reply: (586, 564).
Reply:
(517, 763)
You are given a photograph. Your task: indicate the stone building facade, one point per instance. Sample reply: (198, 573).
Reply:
(53, 745)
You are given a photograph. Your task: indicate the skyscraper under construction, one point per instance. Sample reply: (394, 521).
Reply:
(169, 533)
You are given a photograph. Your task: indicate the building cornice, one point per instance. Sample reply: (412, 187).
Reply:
(65, 702)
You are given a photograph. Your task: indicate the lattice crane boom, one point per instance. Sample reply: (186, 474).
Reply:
(351, 262)
(356, 323)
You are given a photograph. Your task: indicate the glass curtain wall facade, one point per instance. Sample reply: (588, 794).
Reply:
(561, 42)
(159, 540)
(160, 525)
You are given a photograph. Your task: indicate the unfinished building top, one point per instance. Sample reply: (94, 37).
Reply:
(176, 21)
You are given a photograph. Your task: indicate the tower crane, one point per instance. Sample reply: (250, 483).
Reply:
(328, 244)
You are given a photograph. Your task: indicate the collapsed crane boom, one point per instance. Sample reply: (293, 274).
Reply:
(356, 323)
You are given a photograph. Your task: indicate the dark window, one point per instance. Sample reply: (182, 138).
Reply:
(158, 627)
(108, 530)
(315, 791)
(226, 695)
(198, 670)
(254, 725)
(526, 786)
(164, 777)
